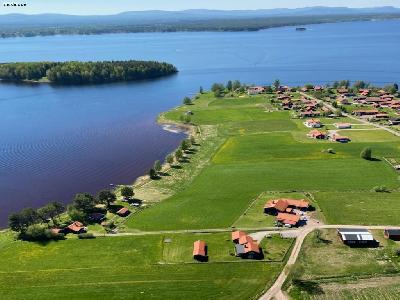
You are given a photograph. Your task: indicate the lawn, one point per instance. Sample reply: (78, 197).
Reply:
(364, 208)
(121, 268)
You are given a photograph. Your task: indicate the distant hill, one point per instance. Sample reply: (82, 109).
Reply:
(186, 20)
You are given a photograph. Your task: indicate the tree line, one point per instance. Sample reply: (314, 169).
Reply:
(230, 24)
(74, 72)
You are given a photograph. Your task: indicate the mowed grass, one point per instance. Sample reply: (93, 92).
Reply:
(221, 193)
(254, 216)
(121, 268)
(281, 145)
(364, 208)
(220, 248)
(371, 135)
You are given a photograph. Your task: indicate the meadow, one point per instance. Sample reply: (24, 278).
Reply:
(121, 268)
(259, 155)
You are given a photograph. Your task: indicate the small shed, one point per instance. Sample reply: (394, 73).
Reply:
(123, 212)
(200, 251)
(357, 237)
(393, 234)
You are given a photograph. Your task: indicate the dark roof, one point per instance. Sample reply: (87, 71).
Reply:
(352, 230)
(393, 231)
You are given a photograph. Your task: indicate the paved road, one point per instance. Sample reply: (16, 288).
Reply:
(276, 289)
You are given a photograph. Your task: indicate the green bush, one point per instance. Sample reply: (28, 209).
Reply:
(40, 233)
(86, 236)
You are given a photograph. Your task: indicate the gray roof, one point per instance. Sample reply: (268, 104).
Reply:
(239, 249)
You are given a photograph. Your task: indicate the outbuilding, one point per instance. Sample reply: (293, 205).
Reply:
(393, 234)
(123, 212)
(357, 237)
(200, 251)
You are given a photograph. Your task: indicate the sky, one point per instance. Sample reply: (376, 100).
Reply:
(90, 7)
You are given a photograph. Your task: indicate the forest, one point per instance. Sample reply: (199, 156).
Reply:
(74, 72)
(231, 24)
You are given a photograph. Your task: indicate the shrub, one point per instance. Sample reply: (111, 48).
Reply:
(40, 233)
(381, 189)
(86, 236)
(397, 252)
(366, 153)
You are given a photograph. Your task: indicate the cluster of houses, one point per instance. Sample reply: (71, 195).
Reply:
(382, 100)
(304, 107)
(288, 212)
(321, 135)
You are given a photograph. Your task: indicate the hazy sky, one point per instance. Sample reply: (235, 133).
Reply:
(116, 6)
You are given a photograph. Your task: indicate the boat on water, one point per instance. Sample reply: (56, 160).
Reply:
(301, 29)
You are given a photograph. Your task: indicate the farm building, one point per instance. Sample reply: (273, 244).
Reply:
(282, 205)
(393, 234)
(236, 235)
(361, 112)
(123, 212)
(342, 125)
(288, 219)
(250, 250)
(339, 138)
(357, 237)
(313, 123)
(255, 90)
(381, 116)
(200, 251)
(76, 227)
(316, 134)
(97, 217)
(394, 121)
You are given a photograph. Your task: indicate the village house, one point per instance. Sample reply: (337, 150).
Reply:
(255, 90)
(313, 123)
(364, 92)
(236, 235)
(339, 138)
(200, 251)
(123, 212)
(394, 121)
(316, 134)
(361, 112)
(288, 219)
(393, 234)
(355, 237)
(342, 125)
(318, 88)
(381, 116)
(309, 114)
(246, 246)
(342, 91)
(274, 206)
(360, 100)
(76, 228)
(287, 104)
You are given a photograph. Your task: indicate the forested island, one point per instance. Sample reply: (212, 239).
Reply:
(218, 25)
(75, 72)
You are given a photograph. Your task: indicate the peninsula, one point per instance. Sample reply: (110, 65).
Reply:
(74, 72)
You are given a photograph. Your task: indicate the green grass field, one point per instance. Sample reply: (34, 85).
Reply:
(121, 268)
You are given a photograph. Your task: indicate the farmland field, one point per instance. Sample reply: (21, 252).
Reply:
(120, 268)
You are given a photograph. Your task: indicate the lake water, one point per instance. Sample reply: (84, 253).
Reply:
(57, 141)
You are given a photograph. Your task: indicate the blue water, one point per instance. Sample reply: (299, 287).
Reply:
(56, 141)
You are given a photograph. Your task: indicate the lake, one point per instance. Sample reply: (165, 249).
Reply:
(57, 141)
